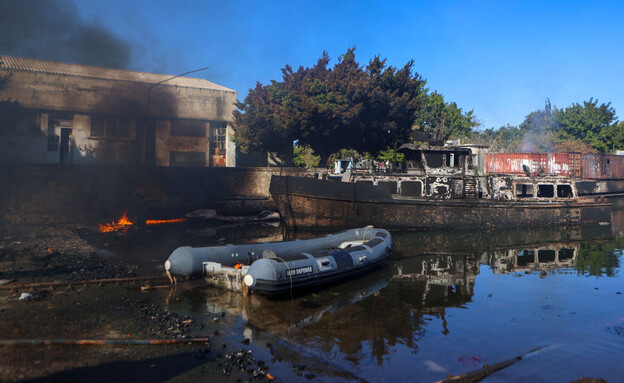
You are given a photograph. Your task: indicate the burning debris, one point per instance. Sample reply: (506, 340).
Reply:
(163, 221)
(123, 223)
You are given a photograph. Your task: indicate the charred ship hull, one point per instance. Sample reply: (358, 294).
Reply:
(314, 203)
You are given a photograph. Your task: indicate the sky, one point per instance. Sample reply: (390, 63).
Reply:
(501, 59)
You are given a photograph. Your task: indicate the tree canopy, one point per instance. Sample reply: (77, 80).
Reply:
(348, 106)
(370, 108)
(458, 124)
(585, 128)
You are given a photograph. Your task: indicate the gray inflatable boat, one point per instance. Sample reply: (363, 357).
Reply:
(282, 265)
(279, 274)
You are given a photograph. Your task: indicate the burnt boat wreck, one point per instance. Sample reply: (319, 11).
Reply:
(438, 189)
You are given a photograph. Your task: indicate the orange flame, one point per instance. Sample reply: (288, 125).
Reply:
(159, 221)
(121, 224)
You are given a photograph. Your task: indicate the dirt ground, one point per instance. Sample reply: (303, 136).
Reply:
(43, 297)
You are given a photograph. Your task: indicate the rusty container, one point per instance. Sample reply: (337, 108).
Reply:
(515, 163)
(559, 164)
(564, 164)
(603, 167)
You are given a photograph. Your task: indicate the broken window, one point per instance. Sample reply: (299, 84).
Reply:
(524, 190)
(434, 160)
(217, 138)
(526, 257)
(545, 191)
(566, 254)
(411, 188)
(450, 160)
(564, 191)
(546, 256)
(391, 186)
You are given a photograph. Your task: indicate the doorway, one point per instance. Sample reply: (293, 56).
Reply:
(67, 154)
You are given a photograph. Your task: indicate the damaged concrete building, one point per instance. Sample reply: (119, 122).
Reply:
(89, 115)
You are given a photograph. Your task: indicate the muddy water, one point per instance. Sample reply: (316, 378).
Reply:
(446, 303)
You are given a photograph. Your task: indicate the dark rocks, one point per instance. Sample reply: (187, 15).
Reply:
(243, 361)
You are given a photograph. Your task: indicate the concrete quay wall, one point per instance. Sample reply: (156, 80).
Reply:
(87, 194)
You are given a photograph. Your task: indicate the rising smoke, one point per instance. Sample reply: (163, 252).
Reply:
(54, 30)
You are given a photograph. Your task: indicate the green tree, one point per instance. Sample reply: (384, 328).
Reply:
(458, 124)
(504, 139)
(304, 157)
(588, 128)
(540, 120)
(390, 155)
(590, 123)
(346, 106)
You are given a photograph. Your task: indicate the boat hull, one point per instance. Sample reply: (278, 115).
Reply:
(277, 275)
(312, 203)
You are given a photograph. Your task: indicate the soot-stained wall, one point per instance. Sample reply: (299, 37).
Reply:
(87, 195)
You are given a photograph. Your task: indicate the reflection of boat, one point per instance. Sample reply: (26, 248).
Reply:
(278, 274)
(438, 191)
(305, 262)
(281, 317)
(547, 257)
(445, 279)
(504, 250)
(411, 243)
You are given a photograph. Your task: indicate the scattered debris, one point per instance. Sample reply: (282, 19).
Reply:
(617, 330)
(25, 297)
(274, 352)
(433, 366)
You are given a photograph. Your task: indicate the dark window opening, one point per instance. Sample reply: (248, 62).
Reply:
(53, 142)
(546, 255)
(125, 127)
(545, 191)
(391, 186)
(452, 160)
(564, 191)
(112, 127)
(58, 119)
(177, 158)
(434, 160)
(565, 254)
(526, 257)
(524, 190)
(188, 128)
(98, 127)
(411, 188)
(440, 191)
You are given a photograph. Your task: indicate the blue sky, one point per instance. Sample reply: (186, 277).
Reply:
(500, 58)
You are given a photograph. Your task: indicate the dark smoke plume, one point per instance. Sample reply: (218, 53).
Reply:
(54, 30)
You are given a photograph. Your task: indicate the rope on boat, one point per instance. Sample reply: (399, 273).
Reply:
(289, 275)
(98, 342)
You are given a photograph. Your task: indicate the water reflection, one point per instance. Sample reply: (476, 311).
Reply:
(448, 291)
